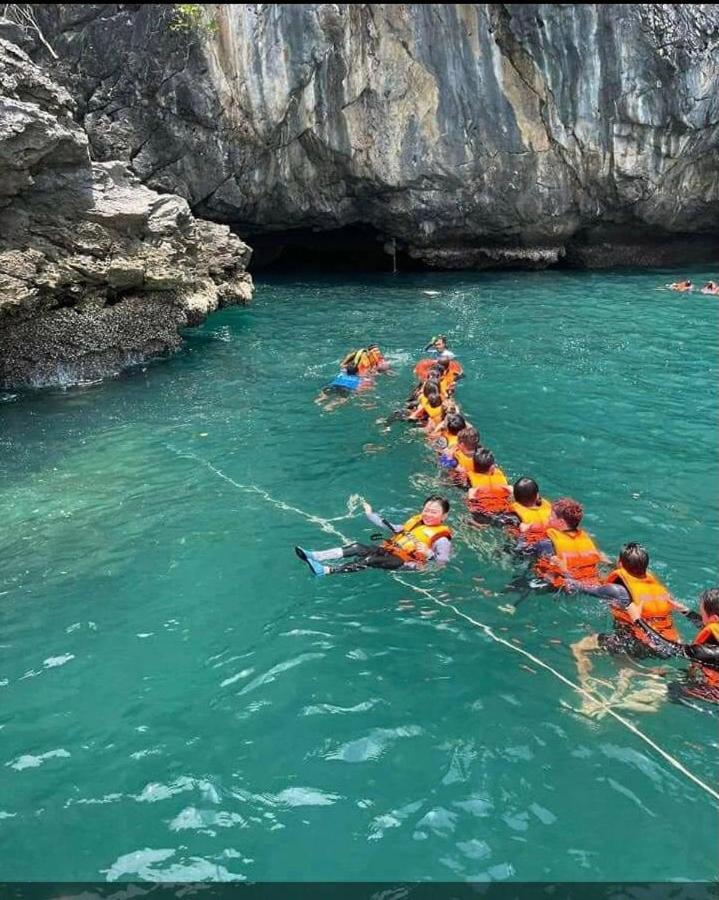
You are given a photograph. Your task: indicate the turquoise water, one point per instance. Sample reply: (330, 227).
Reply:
(181, 700)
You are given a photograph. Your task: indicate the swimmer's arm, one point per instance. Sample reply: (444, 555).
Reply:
(380, 521)
(703, 653)
(617, 594)
(659, 643)
(541, 548)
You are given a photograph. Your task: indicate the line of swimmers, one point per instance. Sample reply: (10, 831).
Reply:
(711, 287)
(564, 557)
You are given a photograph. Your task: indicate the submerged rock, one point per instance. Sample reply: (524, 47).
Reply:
(473, 134)
(96, 270)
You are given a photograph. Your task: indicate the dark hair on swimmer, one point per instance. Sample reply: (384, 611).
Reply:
(526, 490)
(634, 558)
(352, 368)
(435, 498)
(469, 438)
(569, 510)
(442, 365)
(483, 460)
(431, 389)
(373, 346)
(709, 599)
(455, 423)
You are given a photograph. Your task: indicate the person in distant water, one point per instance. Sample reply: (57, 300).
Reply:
(702, 682)
(633, 592)
(711, 287)
(422, 539)
(367, 360)
(438, 346)
(567, 558)
(343, 386)
(681, 286)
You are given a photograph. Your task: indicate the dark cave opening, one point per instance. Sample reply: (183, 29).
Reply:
(354, 248)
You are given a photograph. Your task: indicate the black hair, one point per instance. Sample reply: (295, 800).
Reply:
(526, 490)
(435, 498)
(431, 389)
(709, 599)
(469, 437)
(352, 368)
(634, 558)
(483, 460)
(455, 423)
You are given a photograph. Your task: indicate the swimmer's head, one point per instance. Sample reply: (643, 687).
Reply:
(468, 439)
(352, 368)
(455, 423)
(709, 605)
(442, 365)
(434, 510)
(432, 394)
(635, 559)
(568, 512)
(483, 460)
(526, 491)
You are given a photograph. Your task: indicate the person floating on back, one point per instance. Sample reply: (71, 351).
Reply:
(367, 360)
(423, 538)
(567, 552)
(711, 287)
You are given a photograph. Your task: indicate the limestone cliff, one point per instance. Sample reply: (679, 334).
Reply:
(96, 269)
(473, 134)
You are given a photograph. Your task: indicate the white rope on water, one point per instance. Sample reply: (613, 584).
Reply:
(353, 504)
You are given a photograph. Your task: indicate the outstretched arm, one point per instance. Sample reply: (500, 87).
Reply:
(378, 520)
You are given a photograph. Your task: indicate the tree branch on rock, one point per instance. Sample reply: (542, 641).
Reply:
(22, 14)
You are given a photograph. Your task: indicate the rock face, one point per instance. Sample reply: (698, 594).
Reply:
(96, 270)
(473, 134)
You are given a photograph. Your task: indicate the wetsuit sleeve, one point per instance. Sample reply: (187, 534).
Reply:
(704, 653)
(541, 548)
(381, 522)
(661, 644)
(617, 593)
(442, 550)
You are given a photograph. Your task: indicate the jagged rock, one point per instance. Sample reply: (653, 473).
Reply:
(450, 127)
(96, 269)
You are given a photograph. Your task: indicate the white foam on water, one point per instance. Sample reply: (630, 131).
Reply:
(352, 504)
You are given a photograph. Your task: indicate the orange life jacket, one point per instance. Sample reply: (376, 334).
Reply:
(414, 543)
(422, 369)
(709, 633)
(433, 413)
(578, 556)
(451, 439)
(375, 357)
(537, 517)
(492, 491)
(653, 600)
(465, 461)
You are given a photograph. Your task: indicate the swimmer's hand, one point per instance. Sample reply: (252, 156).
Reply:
(634, 611)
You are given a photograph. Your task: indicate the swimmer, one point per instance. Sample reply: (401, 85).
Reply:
(702, 682)
(489, 490)
(343, 386)
(447, 436)
(680, 286)
(529, 514)
(423, 538)
(439, 346)
(711, 287)
(460, 458)
(429, 409)
(567, 552)
(633, 592)
(367, 360)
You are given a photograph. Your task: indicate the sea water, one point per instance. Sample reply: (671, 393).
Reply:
(182, 700)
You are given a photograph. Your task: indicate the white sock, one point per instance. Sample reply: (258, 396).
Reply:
(322, 555)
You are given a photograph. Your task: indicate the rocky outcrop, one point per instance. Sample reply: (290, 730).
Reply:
(96, 269)
(473, 134)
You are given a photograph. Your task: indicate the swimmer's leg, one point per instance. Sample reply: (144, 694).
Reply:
(374, 558)
(581, 650)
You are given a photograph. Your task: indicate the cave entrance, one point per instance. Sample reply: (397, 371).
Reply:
(354, 248)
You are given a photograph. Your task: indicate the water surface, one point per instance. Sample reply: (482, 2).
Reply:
(182, 701)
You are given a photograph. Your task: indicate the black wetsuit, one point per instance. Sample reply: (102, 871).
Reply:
(369, 557)
(704, 654)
